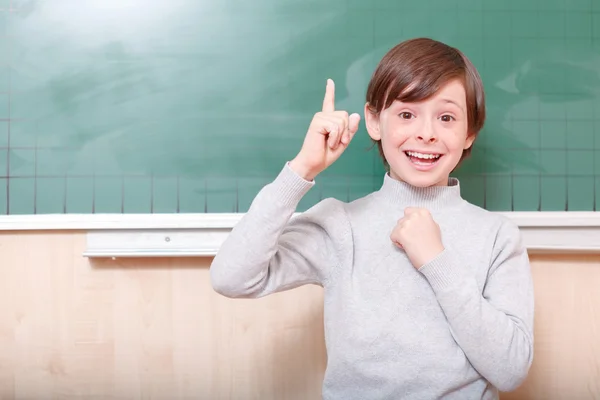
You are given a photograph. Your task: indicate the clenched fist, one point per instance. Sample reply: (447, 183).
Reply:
(418, 235)
(328, 135)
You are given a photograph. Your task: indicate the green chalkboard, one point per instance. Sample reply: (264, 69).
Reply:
(177, 106)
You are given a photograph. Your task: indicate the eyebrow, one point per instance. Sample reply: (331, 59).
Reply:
(453, 102)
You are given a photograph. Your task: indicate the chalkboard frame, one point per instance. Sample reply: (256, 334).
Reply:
(200, 235)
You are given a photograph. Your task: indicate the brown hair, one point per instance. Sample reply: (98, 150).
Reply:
(415, 70)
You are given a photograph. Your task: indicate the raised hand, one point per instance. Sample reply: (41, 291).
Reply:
(418, 235)
(328, 135)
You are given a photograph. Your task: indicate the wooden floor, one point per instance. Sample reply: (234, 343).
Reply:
(154, 329)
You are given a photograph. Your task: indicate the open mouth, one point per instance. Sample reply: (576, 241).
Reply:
(423, 159)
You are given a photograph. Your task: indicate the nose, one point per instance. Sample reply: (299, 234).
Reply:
(427, 133)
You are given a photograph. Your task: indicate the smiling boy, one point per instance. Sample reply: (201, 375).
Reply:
(426, 296)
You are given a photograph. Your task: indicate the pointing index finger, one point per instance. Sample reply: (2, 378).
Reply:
(329, 100)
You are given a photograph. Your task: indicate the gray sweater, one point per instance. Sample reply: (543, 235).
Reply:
(460, 327)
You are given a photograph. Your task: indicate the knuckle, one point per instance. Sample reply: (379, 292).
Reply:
(339, 120)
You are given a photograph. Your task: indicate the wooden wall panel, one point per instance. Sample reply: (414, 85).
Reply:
(154, 328)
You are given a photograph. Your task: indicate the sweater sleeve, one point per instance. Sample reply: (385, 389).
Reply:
(493, 328)
(270, 250)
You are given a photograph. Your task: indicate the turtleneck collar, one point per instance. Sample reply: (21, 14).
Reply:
(433, 197)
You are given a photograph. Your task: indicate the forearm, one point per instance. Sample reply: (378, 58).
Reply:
(241, 266)
(497, 342)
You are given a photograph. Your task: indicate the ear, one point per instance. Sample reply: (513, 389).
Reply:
(469, 141)
(372, 123)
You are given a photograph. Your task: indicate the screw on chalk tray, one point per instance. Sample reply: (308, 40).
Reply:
(167, 239)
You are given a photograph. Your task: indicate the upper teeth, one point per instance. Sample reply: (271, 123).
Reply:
(422, 155)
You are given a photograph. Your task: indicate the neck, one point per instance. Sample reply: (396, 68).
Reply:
(432, 197)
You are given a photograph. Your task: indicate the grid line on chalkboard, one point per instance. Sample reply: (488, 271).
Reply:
(8, 133)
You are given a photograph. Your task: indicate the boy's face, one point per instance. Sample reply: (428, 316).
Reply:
(423, 142)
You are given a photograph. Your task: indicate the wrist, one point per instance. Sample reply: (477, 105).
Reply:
(432, 254)
(445, 272)
(302, 170)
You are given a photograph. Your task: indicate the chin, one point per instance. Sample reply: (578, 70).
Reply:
(415, 178)
(422, 176)
(421, 181)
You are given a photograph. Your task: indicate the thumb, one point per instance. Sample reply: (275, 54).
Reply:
(397, 243)
(353, 122)
(410, 210)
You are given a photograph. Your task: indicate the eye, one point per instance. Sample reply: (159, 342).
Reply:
(406, 115)
(447, 118)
